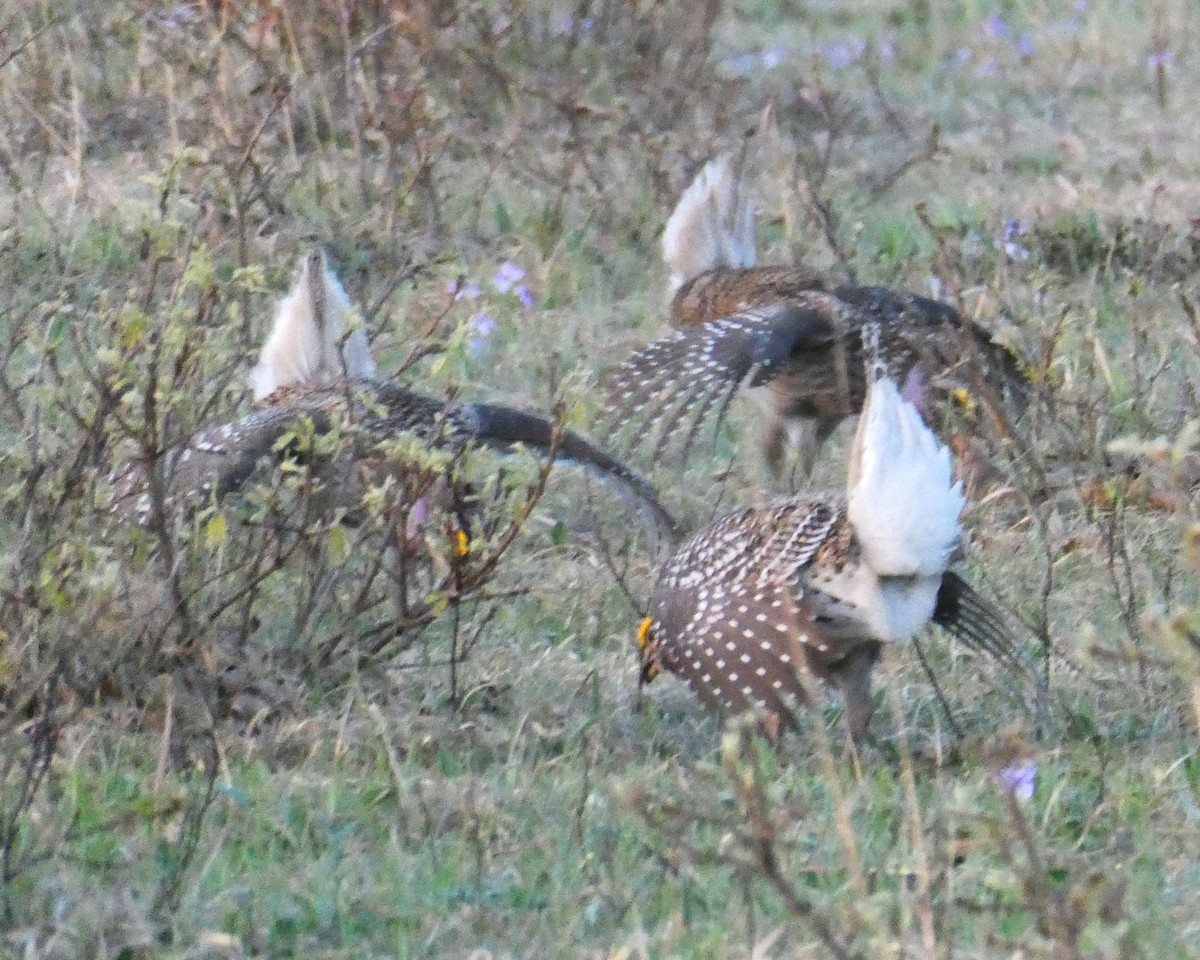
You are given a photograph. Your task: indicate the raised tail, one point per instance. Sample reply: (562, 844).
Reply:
(904, 503)
(712, 225)
(503, 426)
(308, 343)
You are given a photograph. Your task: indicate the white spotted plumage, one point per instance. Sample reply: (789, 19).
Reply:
(830, 575)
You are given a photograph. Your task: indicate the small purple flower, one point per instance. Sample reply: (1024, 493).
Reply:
(749, 64)
(914, 390)
(414, 526)
(568, 24)
(481, 326)
(1160, 59)
(508, 276)
(1015, 251)
(962, 56)
(524, 295)
(771, 58)
(1015, 228)
(845, 53)
(177, 16)
(994, 27)
(1025, 45)
(1019, 779)
(468, 291)
(887, 49)
(989, 68)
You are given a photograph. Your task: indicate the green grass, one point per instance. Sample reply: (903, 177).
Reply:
(219, 787)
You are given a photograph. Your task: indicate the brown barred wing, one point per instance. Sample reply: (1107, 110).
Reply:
(214, 463)
(668, 389)
(219, 460)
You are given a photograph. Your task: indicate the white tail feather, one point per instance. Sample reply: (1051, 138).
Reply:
(712, 225)
(306, 342)
(904, 503)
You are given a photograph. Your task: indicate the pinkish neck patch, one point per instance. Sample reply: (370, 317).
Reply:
(914, 389)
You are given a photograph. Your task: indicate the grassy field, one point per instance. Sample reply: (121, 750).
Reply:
(217, 739)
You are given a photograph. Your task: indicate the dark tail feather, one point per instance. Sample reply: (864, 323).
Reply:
(504, 426)
(978, 624)
(974, 621)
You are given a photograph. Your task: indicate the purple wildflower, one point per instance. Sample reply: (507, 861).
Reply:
(914, 390)
(887, 49)
(1019, 779)
(771, 58)
(177, 16)
(481, 326)
(1015, 228)
(1025, 45)
(989, 68)
(962, 56)
(414, 526)
(994, 27)
(508, 276)
(749, 64)
(568, 24)
(1012, 249)
(1160, 59)
(524, 295)
(468, 291)
(845, 53)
